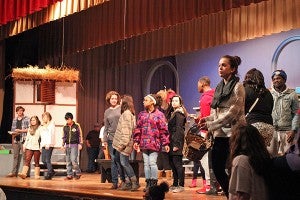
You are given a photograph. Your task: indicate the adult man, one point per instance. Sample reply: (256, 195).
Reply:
(204, 104)
(19, 129)
(93, 146)
(284, 113)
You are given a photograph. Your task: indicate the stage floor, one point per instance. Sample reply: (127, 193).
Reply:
(89, 185)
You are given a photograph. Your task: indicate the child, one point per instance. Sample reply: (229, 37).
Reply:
(250, 160)
(149, 135)
(47, 143)
(72, 142)
(31, 147)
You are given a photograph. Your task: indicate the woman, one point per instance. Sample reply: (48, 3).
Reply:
(176, 126)
(150, 135)
(250, 160)
(259, 104)
(47, 143)
(227, 112)
(123, 142)
(31, 148)
(111, 118)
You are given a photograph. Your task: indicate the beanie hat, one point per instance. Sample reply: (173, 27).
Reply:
(279, 72)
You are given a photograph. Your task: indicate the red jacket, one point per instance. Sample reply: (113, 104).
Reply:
(205, 102)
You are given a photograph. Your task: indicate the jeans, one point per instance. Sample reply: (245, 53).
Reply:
(220, 153)
(92, 154)
(127, 167)
(46, 158)
(150, 166)
(71, 159)
(115, 164)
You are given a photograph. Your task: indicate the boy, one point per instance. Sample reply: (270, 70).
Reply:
(72, 142)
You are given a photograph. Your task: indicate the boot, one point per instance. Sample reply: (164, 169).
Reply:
(134, 183)
(160, 174)
(148, 182)
(153, 182)
(194, 183)
(23, 175)
(126, 186)
(204, 188)
(37, 173)
(169, 174)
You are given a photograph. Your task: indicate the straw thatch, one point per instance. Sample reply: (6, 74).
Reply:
(35, 73)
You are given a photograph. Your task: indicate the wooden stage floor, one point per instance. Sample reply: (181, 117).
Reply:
(89, 187)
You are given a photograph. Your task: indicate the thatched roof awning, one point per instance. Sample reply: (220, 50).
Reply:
(62, 74)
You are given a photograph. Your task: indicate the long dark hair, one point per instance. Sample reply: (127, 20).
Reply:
(127, 104)
(246, 140)
(255, 79)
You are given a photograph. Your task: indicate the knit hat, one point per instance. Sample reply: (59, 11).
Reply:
(279, 72)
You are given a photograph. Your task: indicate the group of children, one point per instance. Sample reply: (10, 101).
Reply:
(40, 140)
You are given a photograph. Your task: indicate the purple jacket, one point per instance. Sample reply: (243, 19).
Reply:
(151, 131)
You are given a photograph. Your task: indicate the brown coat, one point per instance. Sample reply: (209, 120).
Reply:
(123, 141)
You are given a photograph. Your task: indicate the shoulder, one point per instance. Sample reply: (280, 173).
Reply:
(241, 160)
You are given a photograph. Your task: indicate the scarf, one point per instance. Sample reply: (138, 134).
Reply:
(222, 91)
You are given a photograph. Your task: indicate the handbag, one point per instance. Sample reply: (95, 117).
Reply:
(196, 145)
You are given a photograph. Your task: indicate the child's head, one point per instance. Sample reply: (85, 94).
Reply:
(157, 192)
(46, 117)
(246, 140)
(34, 121)
(69, 117)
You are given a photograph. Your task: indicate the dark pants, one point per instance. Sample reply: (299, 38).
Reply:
(282, 182)
(177, 169)
(92, 154)
(220, 153)
(163, 161)
(46, 158)
(197, 165)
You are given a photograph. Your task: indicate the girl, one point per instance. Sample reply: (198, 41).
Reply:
(149, 135)
(176, 126)
(123, 142)
(228, 111)
(31, 148)
(250, 159)
(111, 118)
(47, 143)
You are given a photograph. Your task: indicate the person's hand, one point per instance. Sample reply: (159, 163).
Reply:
(47, 147)
(175, 149)
(167, 148)
(105, 144)
(24, 149)
(79, 147)
(290, 136)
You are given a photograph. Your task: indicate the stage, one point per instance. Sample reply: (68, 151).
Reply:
(88, 187)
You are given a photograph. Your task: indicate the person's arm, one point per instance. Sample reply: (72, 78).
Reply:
(137, 133)
(80, 135)
(127, 127)
(106, 125)
(163, 132)
(236, 106)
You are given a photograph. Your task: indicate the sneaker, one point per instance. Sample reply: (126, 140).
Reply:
(77, 176)
(172, 187)
(178, 189)
(10, 175)
(114, 186)
(67, 178)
